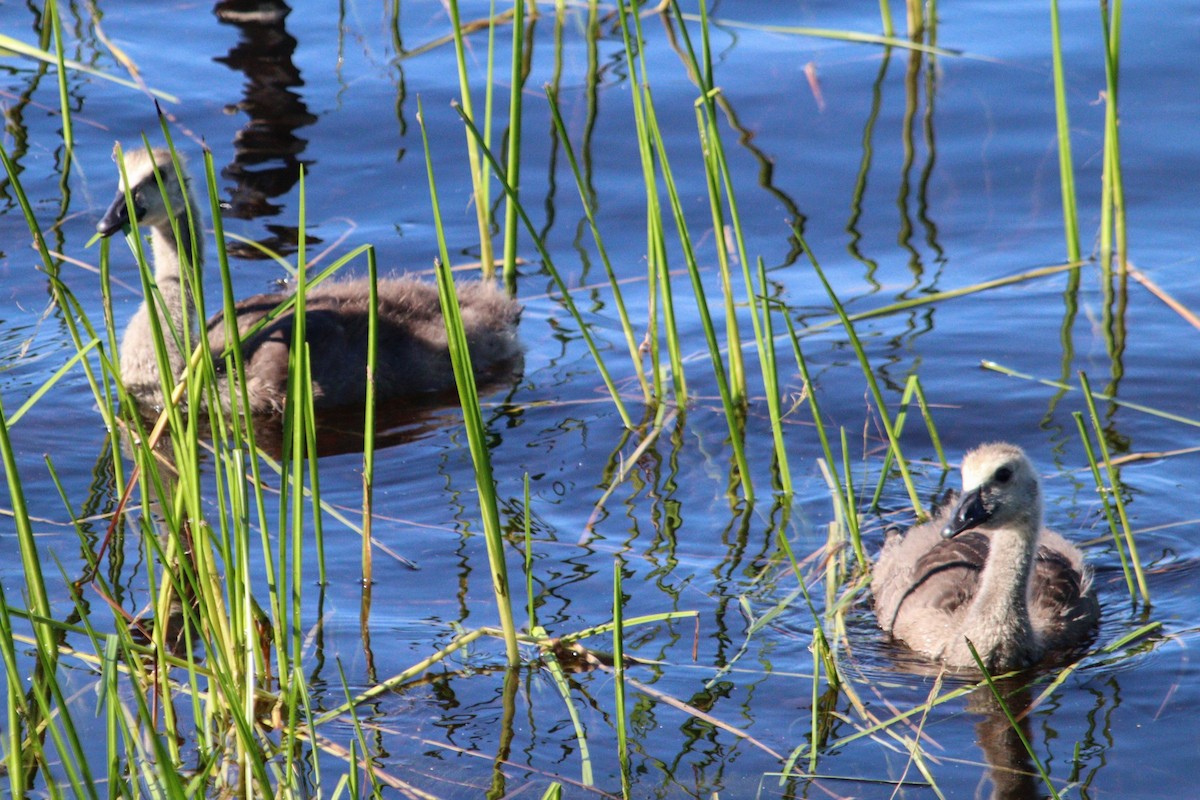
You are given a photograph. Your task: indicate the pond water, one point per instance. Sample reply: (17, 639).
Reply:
(910, 174)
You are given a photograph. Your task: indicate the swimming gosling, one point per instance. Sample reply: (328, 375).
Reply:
(412, 352)
(986, 570)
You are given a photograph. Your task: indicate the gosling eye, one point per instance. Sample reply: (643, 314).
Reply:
(1003, 474)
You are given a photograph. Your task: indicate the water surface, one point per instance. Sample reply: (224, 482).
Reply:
(908, 175)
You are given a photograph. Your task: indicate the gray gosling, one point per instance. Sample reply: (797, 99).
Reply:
(986, 570)
(412, 351)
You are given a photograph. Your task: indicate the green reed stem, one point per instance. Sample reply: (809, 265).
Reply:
(734, 416)
(479, 176)
(589, 210)
(1103, 491)
(1066, 168)
(885, 17)
(658, 270)
(513, 175)
(64, 100)
(35, 586)
(1113, 204)
(369, 419)
(912, 388)
(18, 755)
(1114, 482)
(860, 555)
(814, 731)
(707, 133)
(528, 528)
(876, 394)
(844, 500)
(1012, 721)
(464, 378)
(770, 373)
(618, 633)
(548, 264)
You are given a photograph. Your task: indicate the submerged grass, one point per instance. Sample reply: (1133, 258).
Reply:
(212, 677)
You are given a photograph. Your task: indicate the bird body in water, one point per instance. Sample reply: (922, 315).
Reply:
(987, 571)
(413, 356)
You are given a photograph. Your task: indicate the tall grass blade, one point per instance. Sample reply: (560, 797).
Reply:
(771, 383)
(618, 633)
(564, 291)
(1104, 492)
(513, 175)
(734, 413)
(658, 272)
(479, 175)
(369, 421)
(589, 210)
(1114, 483)
(876, 393)
(64, 102)
(1113, 202)
(912, 389)
(991, 684)
(1066, 167)
(843, 499)
(472, 416)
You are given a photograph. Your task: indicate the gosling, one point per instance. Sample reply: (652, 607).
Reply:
(987, 571)
(413, 356)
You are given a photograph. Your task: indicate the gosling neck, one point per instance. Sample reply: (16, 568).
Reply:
(998, 622)
(170, 257)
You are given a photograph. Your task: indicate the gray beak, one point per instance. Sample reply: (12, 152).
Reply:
(116, 218)
(968, 513)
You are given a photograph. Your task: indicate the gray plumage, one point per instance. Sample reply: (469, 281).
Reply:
(413, 355)
(985, 569)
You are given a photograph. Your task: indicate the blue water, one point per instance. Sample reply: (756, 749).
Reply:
(907, 175)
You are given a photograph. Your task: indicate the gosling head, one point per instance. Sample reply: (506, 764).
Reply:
(150, 204)
(1000, 489)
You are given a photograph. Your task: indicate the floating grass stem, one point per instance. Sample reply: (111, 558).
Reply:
(1108, 398)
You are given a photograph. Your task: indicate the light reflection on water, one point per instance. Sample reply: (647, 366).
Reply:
(913, 177)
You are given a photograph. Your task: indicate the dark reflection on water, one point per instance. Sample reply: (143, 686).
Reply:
(267, 151)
